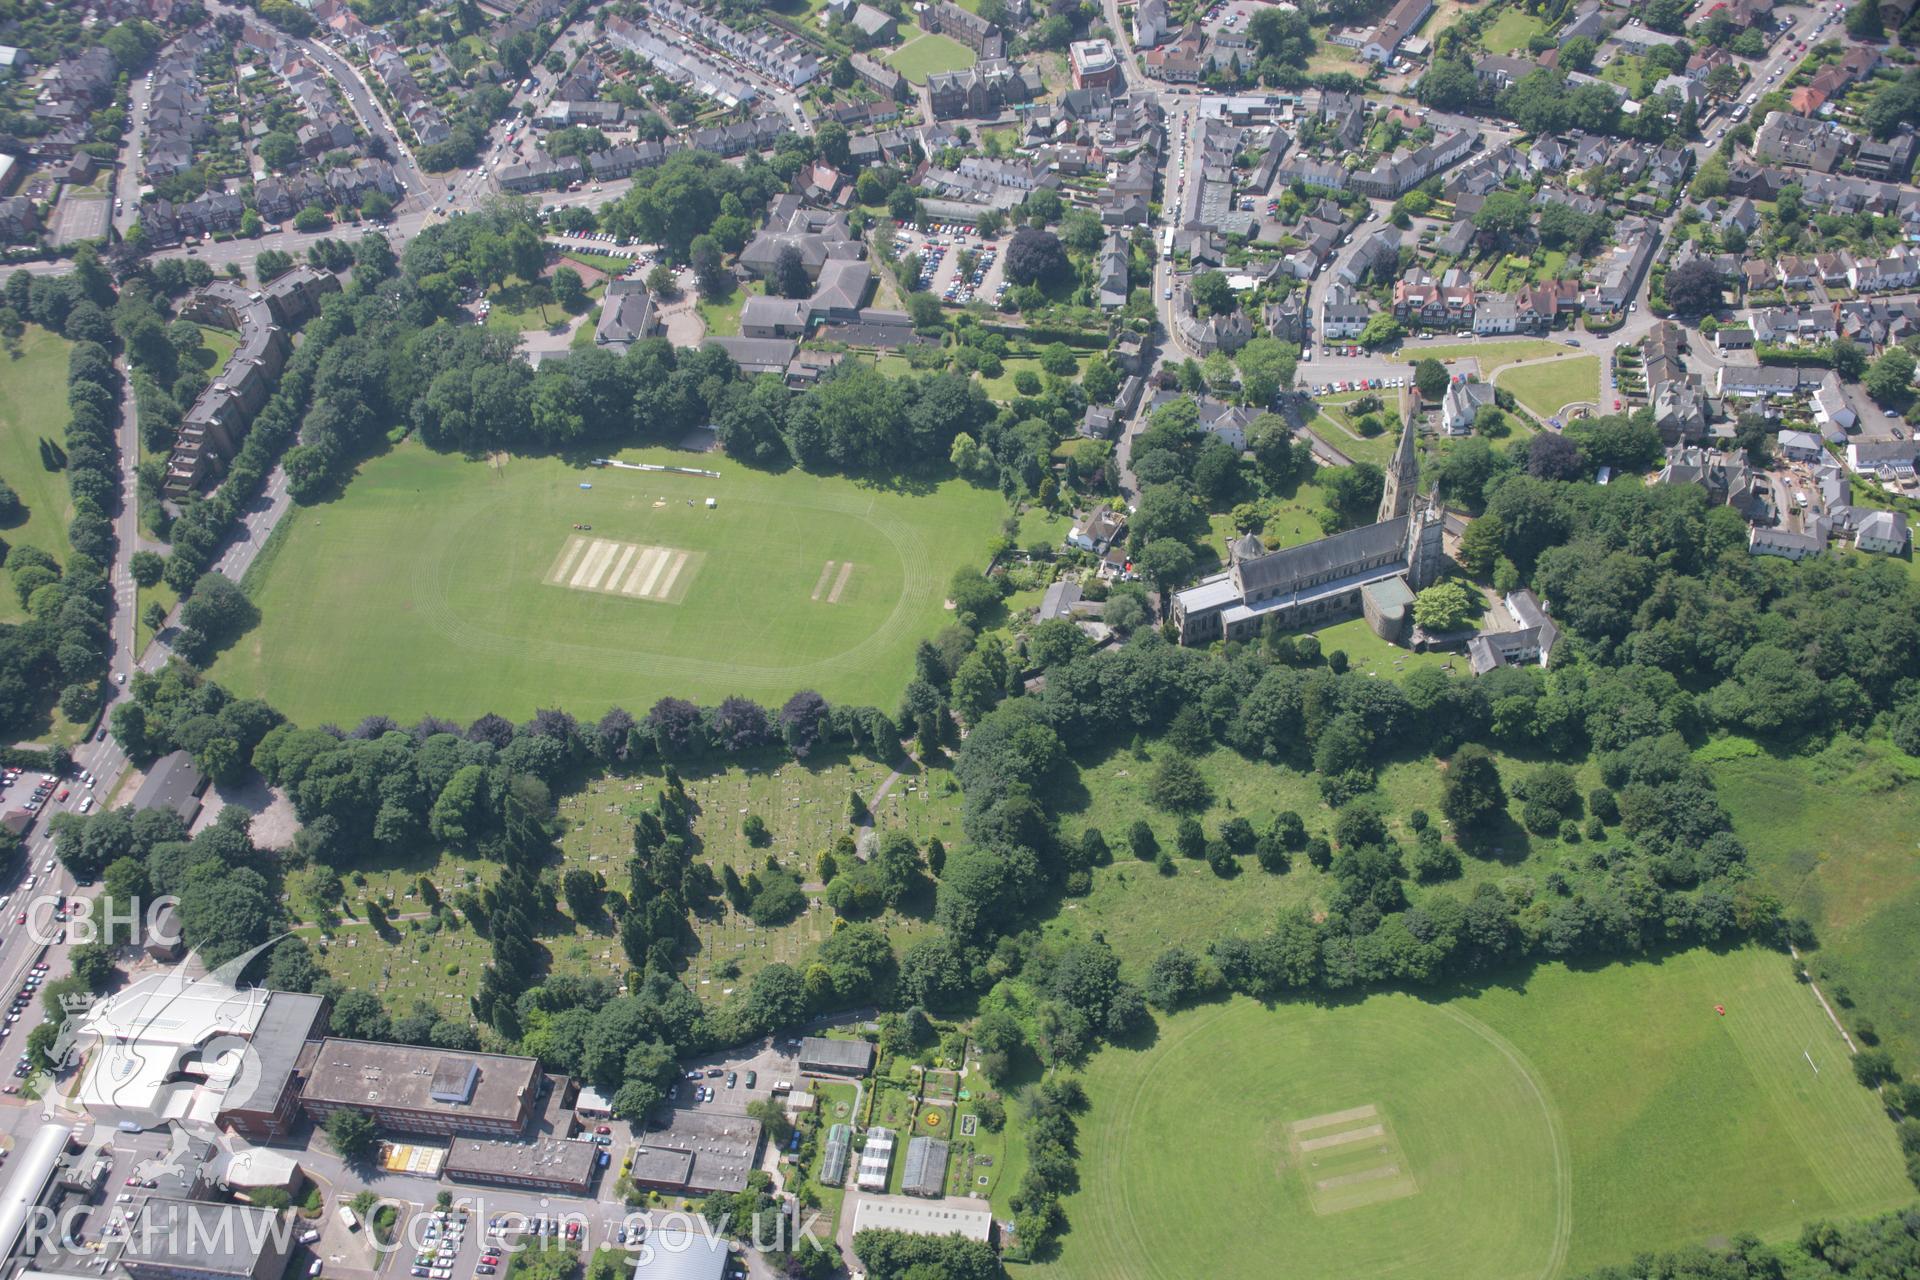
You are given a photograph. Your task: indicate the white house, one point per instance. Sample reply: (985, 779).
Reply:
(1885, 459)
(1831, 407)
(1495, 313)
(1884, 532)
(1463, 400)
(1801, 446)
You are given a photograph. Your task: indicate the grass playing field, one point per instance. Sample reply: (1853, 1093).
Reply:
(1547, 388)
(33, 407)
(1553, 1122)
(925, 54)
(442, 585)
(1834, 836)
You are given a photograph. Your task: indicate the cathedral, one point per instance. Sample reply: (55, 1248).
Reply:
(1372, 571)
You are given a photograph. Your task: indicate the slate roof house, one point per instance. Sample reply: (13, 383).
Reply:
(627, 315)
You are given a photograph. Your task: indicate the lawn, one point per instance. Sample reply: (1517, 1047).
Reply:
(220, 342)
(1292, 519)
(33, 410)
(1489, 355)
(1002, 388)
(1547, 388)
(723, 317)
(514, 311)
(925, 54)
(159, 592)
(1855, 877)
(1511, 30)
(426, 588)
(1552, 1122)
(1335, 425)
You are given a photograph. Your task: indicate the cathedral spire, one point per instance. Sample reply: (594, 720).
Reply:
(1403, 474)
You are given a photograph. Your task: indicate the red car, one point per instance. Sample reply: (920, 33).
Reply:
(604, 1129)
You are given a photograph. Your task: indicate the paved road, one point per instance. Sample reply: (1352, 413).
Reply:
(126, 178)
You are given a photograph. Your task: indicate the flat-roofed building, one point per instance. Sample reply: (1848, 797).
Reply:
(270, 1107)
(675, 1254)
(696, 1151)
(197, 1240)
(418, 1090)
(964, 1217)
(564, 1165)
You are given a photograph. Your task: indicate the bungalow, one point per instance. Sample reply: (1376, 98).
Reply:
(1806, 100)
